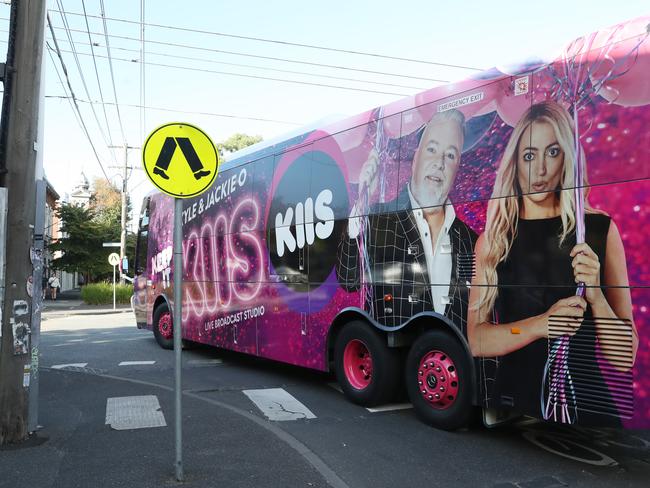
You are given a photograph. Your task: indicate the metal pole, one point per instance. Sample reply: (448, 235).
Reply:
(113, 287)
(178, 280)
(123, 218)
(37, 302)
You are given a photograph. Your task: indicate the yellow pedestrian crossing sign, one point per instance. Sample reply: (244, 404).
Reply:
(180, 159)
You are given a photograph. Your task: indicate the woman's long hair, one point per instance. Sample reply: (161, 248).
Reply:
(503, 208)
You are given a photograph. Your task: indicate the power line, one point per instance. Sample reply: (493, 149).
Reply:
(99, 85)
(76, 115)
(65, 72)
(81, 73)
(268, 58)
(264, 68)
(241, 75)
(295, 44)
(143, 86)
(166, 109)
(110, 64)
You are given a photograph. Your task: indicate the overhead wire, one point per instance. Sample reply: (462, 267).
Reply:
(99, 84)
(73, 51)
(257, 77)
(296, 44)
(166, 109)
(74, 99)
(110, 64)
(143, 98)
(264, 68)
(268, 58)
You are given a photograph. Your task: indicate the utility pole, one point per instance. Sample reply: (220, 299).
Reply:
(19, 144)
(125, 179)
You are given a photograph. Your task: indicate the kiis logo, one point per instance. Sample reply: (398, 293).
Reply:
(304, 224)
(307, 216)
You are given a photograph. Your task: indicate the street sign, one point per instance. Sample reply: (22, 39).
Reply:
(111, 244)
(113, 259)
(180, 160)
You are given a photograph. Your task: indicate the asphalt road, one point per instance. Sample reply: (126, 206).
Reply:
(359, 448)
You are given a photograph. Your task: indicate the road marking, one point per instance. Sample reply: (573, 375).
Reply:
(135, 363)
(134, 412)
(102, 341)
(70, 365)
(278, 404)
(390, 407)
(204, 362)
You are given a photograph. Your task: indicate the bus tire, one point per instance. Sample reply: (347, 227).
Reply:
(438, 380)
(367, 370)
(163, 329)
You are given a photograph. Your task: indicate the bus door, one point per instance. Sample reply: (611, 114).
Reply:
(140, 289)
(286, 290)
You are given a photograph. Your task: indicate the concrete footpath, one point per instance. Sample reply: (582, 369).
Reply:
(76, 448)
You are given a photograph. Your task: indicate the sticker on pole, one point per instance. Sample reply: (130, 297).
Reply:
(180, 160)
(113, 259)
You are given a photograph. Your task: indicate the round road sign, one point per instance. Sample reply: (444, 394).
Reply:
(113, 259)
(180, 160)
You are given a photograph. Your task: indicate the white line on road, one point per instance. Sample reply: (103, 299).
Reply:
(278, 404)
(134, 412)
(389, 407)
(70, 365)
(135, 363)
(204, 362)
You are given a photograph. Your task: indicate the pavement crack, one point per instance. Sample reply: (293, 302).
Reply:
(284, 409)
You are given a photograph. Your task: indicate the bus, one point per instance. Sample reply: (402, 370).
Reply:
(479, 244)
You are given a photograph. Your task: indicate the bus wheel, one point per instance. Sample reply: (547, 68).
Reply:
(366, 368)
(163, 329)
(438, 380)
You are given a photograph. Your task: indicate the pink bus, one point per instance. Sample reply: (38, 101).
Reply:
(481, 244)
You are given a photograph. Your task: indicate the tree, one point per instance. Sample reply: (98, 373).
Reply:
(106, 202)
(236, 142)
(86, 229)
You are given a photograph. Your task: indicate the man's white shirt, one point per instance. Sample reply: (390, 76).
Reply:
(438, 258)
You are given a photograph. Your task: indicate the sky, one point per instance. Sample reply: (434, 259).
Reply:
(189, 74)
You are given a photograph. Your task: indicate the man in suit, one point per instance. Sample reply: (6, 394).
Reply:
(415, 254)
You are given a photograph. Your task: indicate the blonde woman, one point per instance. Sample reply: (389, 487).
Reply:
(528, 265)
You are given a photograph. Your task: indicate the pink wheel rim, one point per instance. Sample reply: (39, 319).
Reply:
(357, 364)
(165, 325)
(438, 380)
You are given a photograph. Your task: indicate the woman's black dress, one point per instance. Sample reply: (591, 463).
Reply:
(536, 274)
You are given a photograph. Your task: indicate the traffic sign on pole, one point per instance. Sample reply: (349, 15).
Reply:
(182, 161)
(113, 260)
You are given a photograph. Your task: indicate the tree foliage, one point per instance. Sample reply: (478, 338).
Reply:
(85, 229)
(236, 142)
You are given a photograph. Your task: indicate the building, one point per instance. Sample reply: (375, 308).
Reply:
(53, 232)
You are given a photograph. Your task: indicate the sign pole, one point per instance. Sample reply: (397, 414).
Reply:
(113, 287)
(178, 303)
(182, 161)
